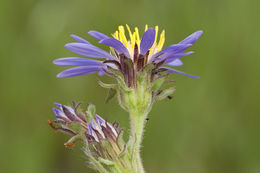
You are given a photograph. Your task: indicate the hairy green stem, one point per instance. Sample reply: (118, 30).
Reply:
(137, 128)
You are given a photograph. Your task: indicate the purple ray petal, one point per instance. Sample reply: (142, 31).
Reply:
(175, 48)
(147, 41)
(88, 50)
(176, 62)
(71, 110)
(78, 71)
(101, 73)
(90, 128)
(104, 69)
(170, 70)
(192, 38)
(113, 129)
(58, 113)
(99, 119)
(79, 39)
(74, 61)
(98, 35)
(170, 57)
(93, 124)
(58, 105)
(117, 45)
(93, 133)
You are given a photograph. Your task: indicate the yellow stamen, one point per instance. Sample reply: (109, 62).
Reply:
(132, 36)
(156, 34)
(137, 38)
(115, 35)
(146, 27)
(161, 41)
(133, 40)
(129, 31)
(122, 36)
(155, 39)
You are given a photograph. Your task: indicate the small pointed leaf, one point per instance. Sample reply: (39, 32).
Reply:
(111, 93)
(165, 93)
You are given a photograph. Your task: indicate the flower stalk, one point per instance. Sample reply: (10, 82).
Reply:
(137, 123)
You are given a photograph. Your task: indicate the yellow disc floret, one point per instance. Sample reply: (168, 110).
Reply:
(134, 38)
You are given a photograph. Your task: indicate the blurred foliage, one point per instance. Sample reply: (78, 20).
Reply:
(210, 125)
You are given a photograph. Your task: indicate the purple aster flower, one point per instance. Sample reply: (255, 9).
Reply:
(129, 56)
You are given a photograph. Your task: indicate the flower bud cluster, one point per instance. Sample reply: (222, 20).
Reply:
(102, 142)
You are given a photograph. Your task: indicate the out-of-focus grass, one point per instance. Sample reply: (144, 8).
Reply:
(211, 124)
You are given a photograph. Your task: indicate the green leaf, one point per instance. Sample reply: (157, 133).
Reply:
(165, 93)
(111, 93)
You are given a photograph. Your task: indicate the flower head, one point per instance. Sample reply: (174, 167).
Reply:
(128, 55)
(102, 142)
(87, 126)
(137, 63)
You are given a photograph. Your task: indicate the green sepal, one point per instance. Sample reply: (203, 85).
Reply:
(149, 67)
(120, 139)
(122, 85)
(106, 162)
(75, 126)
(129, 62)
(104, 85)
(121, 100)
(115, 73)
(96, 165)
(73, 140)
(123, 151)
(157, 83)
(142, 76)
(109, 148)
(120, 79)
(165, 93)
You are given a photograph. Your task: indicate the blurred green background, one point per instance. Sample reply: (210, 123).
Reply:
(210, 126)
